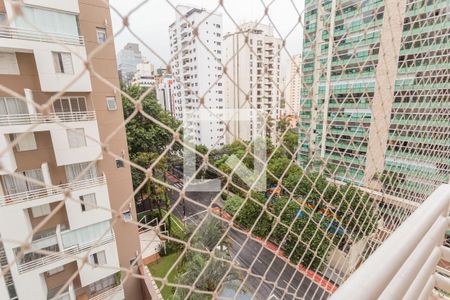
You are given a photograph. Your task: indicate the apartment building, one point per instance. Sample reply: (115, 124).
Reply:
(376, 89)
(252, 86)
(196, 51)
(59, 187)
(164, 94)
(292, 86)
(128, 59)
(144, 75)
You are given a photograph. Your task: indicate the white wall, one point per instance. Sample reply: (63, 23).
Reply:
(49, 80)
(65, 155)
(7, 158)
(78, 218)
(89, 274)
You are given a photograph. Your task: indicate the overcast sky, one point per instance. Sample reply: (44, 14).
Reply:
(151, 21)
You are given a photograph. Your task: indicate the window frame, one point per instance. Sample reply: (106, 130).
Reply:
(94, 258)
(101, 30)
(58, 62)
(32, 142)
(85, 206)
(76, 137)
(108, 98)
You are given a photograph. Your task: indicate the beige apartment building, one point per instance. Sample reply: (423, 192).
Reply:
(251, 87)
(60, 148)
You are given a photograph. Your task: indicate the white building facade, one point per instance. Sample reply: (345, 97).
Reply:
(292, 86)
(144, 75)
(165, 94)
(57, 186)
(253, 81)
(197, 72)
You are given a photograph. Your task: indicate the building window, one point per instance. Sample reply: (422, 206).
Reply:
(41, 210)
(101, 35)
(12, 106)
(25, 141)
(70, 105)
(74, 171)
(14, 184)
(88, 202)
(8, 64)
(76, 137)
(63, 62)
(98, 258)
(111, 103)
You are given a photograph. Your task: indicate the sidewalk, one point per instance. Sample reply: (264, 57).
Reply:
(315, 277)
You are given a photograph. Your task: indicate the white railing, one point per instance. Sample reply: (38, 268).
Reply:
(51, 191)
(33, 35)
(66, 254)
(39, 118)
(108, 293)
(404, 266)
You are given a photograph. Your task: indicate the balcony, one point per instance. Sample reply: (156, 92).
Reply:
(115, 292)
(65, 245)
(58, 190)
(36, 36)
(39, 118)
(407, 264)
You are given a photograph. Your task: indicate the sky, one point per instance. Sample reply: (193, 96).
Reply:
(150, 22)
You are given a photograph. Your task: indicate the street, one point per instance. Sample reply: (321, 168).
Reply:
(298, 287)
(290, 285)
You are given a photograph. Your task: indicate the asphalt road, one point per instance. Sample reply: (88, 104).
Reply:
(290, 285)
(284, 287)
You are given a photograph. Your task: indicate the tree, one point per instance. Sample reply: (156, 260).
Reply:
(143, 134)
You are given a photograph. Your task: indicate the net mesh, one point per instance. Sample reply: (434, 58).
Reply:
(354, 139)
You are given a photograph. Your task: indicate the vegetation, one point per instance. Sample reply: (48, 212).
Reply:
(146, 141)
(308, 214)
(315, 215)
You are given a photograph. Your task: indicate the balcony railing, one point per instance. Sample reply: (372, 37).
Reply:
(51, 191)
(28, 119)
(68, 253)
(404, 266)
(33, 35)
(108, 294)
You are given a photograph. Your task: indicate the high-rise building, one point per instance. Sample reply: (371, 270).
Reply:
(197, 71)
(375, 77)
(59, 187)
(292, 86)
(128, 59)
(252, 85)
(144, 75)
(164, 94)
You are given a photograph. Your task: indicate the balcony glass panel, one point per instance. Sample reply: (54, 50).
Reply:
(49, 21)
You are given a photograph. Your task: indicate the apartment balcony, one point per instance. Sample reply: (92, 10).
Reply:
(39, 118)
(37, 36)
(408, 264)
(37, 122)
(113, 293)
(63, 246)
(44, 45)
(53, 193)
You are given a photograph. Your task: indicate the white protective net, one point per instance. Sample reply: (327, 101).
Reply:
(344, 148)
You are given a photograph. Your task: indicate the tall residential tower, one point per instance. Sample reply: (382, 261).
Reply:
(196, 65)
(79, 210)
(252, 58)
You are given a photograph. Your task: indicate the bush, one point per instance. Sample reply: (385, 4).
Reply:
(232, 204)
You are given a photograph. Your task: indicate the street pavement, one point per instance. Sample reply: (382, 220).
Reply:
(290, 285)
